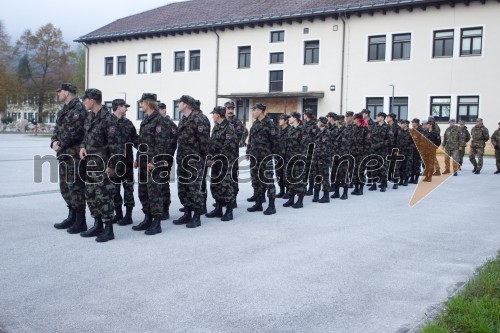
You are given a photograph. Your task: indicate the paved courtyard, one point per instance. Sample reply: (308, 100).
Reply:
(368, 264)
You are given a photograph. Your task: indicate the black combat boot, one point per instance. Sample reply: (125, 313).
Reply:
(148, 219)
(356, 190)
(299, 203)
(182, 209)
(107, 234)
(315, 195)
(344, 194)
(217, 212)
(166, 214)
(395, 186)
(118, 214)
(257, 207)
(496, 172)
(325, 198)
(184, 218)
(195, 220)
(401, 181)
(475, 169)
(412, 178)
(477, 172)
(373, 187)
(415, 181)
(67, 222)
(127, 219)
(96, 230)
(263, 199)
(290, 201)
(332, 187)
(155, 227)
(270, 209)
(351, 185)
(282, 192)
(361, 189)
(287, 194)
(80, 223)
(405, 181)
(336, 194)
(228, 215)
(252, 198)
(310, 190)
(384, 186)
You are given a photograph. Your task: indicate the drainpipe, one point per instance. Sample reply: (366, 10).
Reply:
(343, 65)
(216, 68)
(86, 66)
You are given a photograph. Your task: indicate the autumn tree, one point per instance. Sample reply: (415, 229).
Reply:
(78, 78)
(7, 77)
(45, 61)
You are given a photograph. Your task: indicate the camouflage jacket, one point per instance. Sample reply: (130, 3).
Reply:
(479, 136)
(263, 139)
(340, 143)
(69, 129)
(381, 136)
(102, 139)
(127, 138)
(238, 127)
(464, 136)
(451, 138)
(433, 137)
(171, 136)
(394, 133)
(193, 136)
(283, 134)
(295, 142)
(371, 124)
(223, 142)
(361, 141)
(347, 140)
(405, 142)
(311, 129)
(323, 147)
(334, 133)
(495, 139)
(152, 134)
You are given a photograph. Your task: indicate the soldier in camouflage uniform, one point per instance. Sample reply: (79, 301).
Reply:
(171, 145)
(192, 149)
(368, 119)
(428, 150)
(101, 142)
(322, 157)
(68, 134)
(295, 158)
(361, 142)
(393, 172)
(311, 129)
(381, 136)
(451, 144)
(437, 130)
(332, 128)
(239, 129)
(480, 136)
(349, 130)
(464, 138)
(417, 159)
(280, 171)
(126, 135)
(223, 151)
(262, 145)
(405, 148)
(495, 141)
(197, 107)
(341, 159)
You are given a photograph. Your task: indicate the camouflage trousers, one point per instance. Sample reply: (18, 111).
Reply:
(461, 154)
(99, 193)
(479, 151)
(234, 177)
(497, 157)
(358, 176)
(263, 177)
(150, 192)
(455, 155)
(125, 179)
(406, 165)
(189, 184)
(221, 185)
(72, 183)
(381, 170)
(321, 175)
(165, 191)
(295, 174)
(416, 162)
(340, 171)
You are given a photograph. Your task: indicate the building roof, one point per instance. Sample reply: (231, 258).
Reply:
(203, 15)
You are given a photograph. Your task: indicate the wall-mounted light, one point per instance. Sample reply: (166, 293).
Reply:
(332, 87)
(335, 27)
(305, 88)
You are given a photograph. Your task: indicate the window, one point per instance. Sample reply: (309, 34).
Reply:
(142, 63)
(177, 113)
(440, 108)
(375, 105)
(310, 103)
(194, 60)
(244, 53)
(376, 48)
(109, 105)
(468, 108)
(140, 114)
(472, 40)
(275, 81)
(242, 110)
(311, 52)
(277, 58)
(401, 45)
(122, 65)
(156, 63)
(443, 43)
(179, 61)
(277, 36)
(400, 107)
(52, 117)
(108, 66)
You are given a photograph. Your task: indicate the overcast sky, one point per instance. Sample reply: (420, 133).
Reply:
(74, 18)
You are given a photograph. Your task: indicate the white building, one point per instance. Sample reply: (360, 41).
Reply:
(435, 58)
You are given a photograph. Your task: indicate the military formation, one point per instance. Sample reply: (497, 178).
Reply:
(305, 156)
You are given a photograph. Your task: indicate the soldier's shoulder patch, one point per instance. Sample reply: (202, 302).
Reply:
(174, 130)
(158, 128)
(76, 116)
(314, 130)
(200, 129)
(273, 131)
(323, 139)
(228, 137)
(112, 130)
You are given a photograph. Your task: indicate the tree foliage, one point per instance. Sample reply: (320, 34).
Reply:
(7, 77)
(78, 78)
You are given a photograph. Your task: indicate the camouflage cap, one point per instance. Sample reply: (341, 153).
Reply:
(415, 120)
(425, 122)
(162, 106)
(381, 114)
(197, 103)
(220, 110)
(295, 115)
(461, 122)
(366, 111)
(452, 120)
(229, 104)
(358, 116)
(92, 93)
(187, 100)
(259, 106)
(331, 115)
(405, 121)
(308, 112)
(283, 116)
(431, 119)
(69, 87)
(323, 120)
(341, 117)
(349, 114)
(148, 97)
(392, 115)
(119, 102)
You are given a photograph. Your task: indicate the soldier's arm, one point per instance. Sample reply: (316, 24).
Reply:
(486, 134)
(75, 131)
(113, 140)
